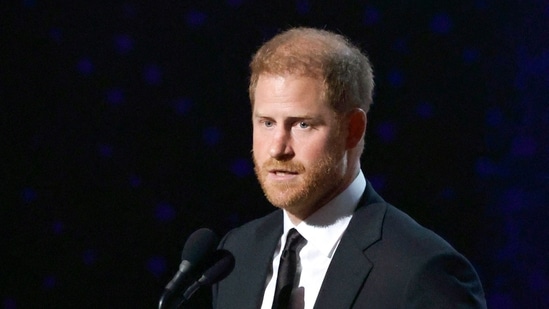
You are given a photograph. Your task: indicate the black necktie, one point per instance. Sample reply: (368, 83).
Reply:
(289, 259)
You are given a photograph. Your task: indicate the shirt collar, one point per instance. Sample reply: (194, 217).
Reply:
(323, 229)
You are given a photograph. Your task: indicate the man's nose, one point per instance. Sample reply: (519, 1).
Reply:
(281, 145)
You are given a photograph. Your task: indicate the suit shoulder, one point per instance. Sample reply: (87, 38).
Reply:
(253, 229)
(410, 241)
(401, 226)
(438, 273)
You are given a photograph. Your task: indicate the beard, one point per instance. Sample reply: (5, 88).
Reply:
(307, 192)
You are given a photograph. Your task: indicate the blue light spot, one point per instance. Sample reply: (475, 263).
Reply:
(494, 117)
(303, 7)
(164, 212)
(156, 265)
(49, 282)
(396, 78)
(486, 167)
(537, 281)
(448, 193)
(135, 181)
(182, 106)
(371, 16)
(129, 10)
(9, 303)
(233, 219)
(152, 75)
(481, 4)
(211, 136)
(195, 18)
(386, 132)
(425, 110)
(401, 46)
(378, 182)
(235, 3)
(89, 257)
(241, 168)
(123, 44)
(441, 24)
(500, 301)
(58, 227)
(85, 66)
(56, 35)
(514, 200)
(524, 146)
(115, 96)
(105, 151)
(28, 195)
(29, 3)
(470, 55)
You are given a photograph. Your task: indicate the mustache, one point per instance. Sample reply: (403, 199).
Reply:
(289, 166)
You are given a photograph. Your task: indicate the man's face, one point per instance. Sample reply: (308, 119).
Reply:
(298, 146)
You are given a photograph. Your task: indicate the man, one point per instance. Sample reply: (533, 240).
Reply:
(310, 91)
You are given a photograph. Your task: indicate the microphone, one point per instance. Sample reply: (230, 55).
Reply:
(201, 243)
(223, 265)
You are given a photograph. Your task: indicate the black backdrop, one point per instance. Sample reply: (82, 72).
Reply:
(125, 127)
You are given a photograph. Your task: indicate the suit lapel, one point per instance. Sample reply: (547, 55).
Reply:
(256, 262)
(350, 266)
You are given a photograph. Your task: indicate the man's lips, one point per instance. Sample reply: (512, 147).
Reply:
(282, 172)
(277, 170)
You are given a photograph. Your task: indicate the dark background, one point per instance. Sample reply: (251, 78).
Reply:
(125, 127)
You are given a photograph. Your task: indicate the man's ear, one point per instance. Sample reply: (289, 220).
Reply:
(356, 127)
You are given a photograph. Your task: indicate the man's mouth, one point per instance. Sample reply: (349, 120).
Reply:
(282, 172)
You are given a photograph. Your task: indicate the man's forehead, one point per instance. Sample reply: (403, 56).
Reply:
(288, 75)
(270, 83)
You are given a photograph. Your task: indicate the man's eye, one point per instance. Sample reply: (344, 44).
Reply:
(303, 125)
(267, 123)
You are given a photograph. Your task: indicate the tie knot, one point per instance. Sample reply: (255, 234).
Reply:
(294, 240)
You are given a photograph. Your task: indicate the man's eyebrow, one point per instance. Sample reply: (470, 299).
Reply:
(294, 117)
(303, 117)
(258, 115)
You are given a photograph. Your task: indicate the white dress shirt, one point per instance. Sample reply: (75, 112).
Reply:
(323, 231)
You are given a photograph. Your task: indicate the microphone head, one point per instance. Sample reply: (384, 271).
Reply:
(202, 242)
(222, 266)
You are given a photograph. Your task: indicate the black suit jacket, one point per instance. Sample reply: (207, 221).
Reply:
(384, 260)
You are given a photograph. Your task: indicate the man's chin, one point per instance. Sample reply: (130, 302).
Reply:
(282, 201)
